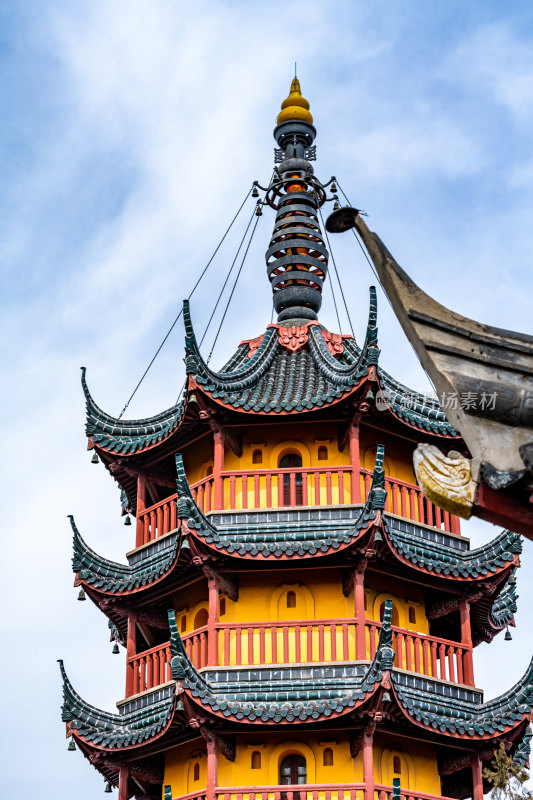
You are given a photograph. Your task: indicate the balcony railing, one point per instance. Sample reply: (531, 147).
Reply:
(325, 791)
(293, 487)
(302, 642)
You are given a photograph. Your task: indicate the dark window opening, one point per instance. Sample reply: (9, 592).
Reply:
(256, 760)
(222, 610)
(412, 614)
(196, 772)
(293, 771)
(322, 453)
(291, 599)
(257, 457)
(183, 624)
(201, 618)
(327, 760)
(292, 484)
(397, 765)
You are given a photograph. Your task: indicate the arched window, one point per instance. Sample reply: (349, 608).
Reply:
(397, 765)
(208, 470)
(256, 760)
(293, 770)
(291, 599)
(327, 759)
(201, 618)
(183, 624)
(292, 484)
(322, 453)
(196, 771)
(395, 618)
(257, 457)
(222, 609)
(412, 614)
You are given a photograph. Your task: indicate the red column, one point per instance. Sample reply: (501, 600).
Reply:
(141, 505)
(211, 770)
(130, 652)
(477, 778)
(355, 462)
(212, 641)
(218, 466)
(368, 762)
(466, 639)
(123, 784)
(359, 611)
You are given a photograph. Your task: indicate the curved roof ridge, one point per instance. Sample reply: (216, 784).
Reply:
(491, 557)
(113, 577)
(106, 730)
(100, 421)
(242, 377)
(519, 695)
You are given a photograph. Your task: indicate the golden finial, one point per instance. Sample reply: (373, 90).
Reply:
(295, 106)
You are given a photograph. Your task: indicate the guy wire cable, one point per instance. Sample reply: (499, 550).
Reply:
(181, 309)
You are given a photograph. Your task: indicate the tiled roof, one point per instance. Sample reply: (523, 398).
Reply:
(291, 538)
(522, 753)
(461, 717)
(433, 704)
(113, 731)
(274, 703)
(277, 380)
(125, 437)
(112, 577)
(440, 559)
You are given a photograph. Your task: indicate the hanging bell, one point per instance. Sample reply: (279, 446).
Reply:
(107, 789)
(258, 212)
(255, 193)
(94, 459)
(508, 636)
(336, 205)
(115, 649)
(386, 697)
(192, 398)
(71, 746)
(512, 581)
(127, 521)
(333, 187)
(378, 537)
(81, 595)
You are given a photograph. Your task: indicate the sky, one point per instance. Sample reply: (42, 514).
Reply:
(131, 132)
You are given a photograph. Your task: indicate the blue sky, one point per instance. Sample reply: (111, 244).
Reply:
(131, 131)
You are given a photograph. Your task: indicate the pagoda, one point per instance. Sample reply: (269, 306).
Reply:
(298, 620)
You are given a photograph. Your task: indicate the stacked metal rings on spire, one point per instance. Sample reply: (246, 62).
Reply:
(297, 259)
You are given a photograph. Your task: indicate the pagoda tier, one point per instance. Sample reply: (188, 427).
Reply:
(284, 371)
(455, 578)
(363, 700)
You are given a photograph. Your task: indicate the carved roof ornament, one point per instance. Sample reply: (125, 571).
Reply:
(445, 480)
(294, 338)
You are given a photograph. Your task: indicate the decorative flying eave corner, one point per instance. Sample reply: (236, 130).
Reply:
(502, 715)
(243, 377)
(113, 578)
(105, 731)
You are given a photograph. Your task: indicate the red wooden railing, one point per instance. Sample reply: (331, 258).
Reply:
(313, 486)
(301, 642)
(148, 669)
(426, 655)
(155, 521)
(324, 791)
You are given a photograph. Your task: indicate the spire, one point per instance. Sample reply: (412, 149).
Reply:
(297, 259)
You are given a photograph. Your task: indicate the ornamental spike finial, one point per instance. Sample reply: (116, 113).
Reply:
(297, 259)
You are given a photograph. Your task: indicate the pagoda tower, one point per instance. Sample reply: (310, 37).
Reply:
(298, 620)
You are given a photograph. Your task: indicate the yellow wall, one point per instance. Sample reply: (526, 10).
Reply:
(275, 440)
(418, 762)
